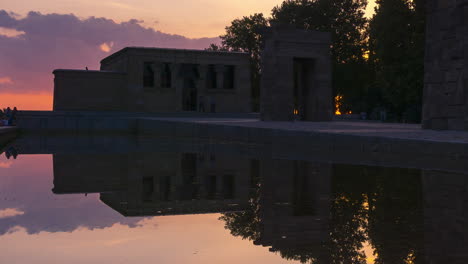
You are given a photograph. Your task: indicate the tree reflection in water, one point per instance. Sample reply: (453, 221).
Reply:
(246, 224)
(379, 206)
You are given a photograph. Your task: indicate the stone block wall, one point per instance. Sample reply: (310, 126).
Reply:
(88, 90)
(446, 65)
(296, 75)
(185, 65)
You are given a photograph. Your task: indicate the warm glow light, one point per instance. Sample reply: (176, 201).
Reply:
(410, 259)
(366, 55)
(338, 104)
(369, 251)
(26, 101)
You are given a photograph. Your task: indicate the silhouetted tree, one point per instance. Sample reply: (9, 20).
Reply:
(246, 224)
(396, 43)
(215, 47)
(244, 35)
(395, 216)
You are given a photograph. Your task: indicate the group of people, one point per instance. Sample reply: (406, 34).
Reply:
(8, 116)
(11, 152)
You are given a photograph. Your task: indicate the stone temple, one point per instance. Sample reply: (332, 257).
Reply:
(296, 82)
(158, 80)
(446, 65)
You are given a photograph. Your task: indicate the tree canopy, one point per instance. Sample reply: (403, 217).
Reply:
(378, 63)
(396, 42)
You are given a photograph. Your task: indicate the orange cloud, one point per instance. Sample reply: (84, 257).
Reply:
(10, 212)
(106, 47)
(27, 101)
(10, 32)
(6, 80)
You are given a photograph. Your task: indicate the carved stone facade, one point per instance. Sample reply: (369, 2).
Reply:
(296, 75)
(446, 65)
(159, 80)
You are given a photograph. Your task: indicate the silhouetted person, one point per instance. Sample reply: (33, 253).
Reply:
(8, 114)
(14, 152)
(11, 152)
(12, 120)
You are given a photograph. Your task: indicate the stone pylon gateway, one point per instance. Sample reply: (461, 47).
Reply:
(296, 75)
(446, 65)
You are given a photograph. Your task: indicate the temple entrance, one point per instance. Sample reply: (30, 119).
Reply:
(190, 75)
(303, 79)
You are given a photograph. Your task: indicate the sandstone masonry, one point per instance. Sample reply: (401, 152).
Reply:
(446, 65)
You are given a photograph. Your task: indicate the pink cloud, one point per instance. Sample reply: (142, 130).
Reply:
(51, 41)
(10, 33)
(10, 212)
(106, 47)
(6, 80)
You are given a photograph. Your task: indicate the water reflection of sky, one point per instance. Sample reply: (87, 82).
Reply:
(37, 226)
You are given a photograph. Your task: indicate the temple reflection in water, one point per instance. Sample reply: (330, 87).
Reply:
(307, 211)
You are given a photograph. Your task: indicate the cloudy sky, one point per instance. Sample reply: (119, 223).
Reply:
(39, 36)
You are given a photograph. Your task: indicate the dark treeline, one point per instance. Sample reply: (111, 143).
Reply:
(378, 62)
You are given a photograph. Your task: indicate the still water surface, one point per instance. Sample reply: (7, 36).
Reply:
(213, 208)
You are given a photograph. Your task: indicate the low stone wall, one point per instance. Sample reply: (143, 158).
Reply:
(278, 142)
(292, 144)
(89, 90)
(7, 134)
(101, 121)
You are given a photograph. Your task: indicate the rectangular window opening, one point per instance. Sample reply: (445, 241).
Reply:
(148, 74)
(166, 76)
(211, 79)
(229, 71)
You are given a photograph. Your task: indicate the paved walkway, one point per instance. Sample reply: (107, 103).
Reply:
(372, 129)
(7, 129)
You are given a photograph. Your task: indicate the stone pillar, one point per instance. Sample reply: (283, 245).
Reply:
(178, 85)
(201, 88)
(219, 76)
(285, 51)
(445, 103)
(201, 85)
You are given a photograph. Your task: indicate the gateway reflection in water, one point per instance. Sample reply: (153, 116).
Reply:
(310, 212)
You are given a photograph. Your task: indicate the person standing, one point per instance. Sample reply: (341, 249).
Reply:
(8, 115)
(12, 120)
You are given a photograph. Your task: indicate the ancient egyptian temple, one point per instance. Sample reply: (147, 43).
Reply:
(296, 80)
(158, 80)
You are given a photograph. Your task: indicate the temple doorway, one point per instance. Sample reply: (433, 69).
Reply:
(303, 80)
(191, 76)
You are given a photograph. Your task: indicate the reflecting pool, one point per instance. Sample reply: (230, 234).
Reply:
(113, 203)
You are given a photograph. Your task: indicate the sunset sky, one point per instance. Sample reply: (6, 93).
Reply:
(79, 33)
